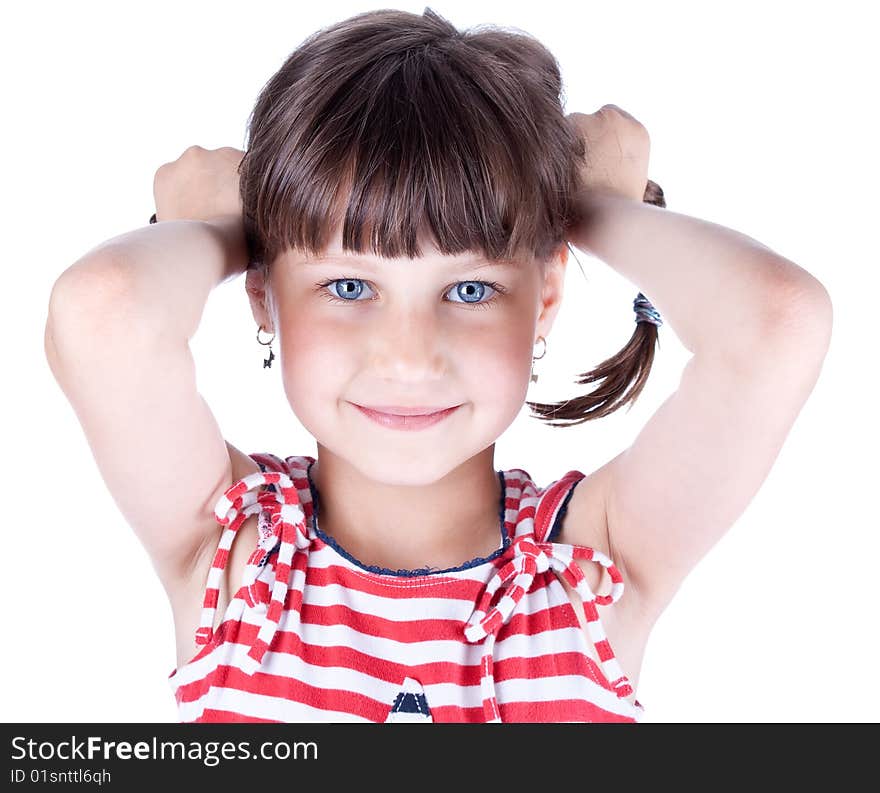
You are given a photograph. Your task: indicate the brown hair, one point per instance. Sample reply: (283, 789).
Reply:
(422, 127)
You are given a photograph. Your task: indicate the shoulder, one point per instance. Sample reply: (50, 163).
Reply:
(551, 502)
(573, 510)
(188, 598)
(243, 466)
(546, 504)
(585, 520)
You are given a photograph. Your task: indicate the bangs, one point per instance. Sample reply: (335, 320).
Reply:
(391, 129)
(444, 141)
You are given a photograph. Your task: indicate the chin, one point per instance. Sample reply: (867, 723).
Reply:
(401, 467)
(399, 457)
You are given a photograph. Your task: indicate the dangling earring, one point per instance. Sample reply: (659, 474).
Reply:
(534, 377)
(267, 362)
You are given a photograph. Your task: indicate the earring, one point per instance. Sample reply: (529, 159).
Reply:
(533, 376)
(267, 362)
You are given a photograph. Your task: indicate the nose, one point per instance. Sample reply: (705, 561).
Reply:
(407, 345)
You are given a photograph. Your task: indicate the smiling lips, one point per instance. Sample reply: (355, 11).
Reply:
(405, 418)
(399, 410)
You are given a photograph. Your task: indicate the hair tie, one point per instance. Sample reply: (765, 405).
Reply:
(645, 312)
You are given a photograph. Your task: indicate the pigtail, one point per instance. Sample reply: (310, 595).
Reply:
(621, 377)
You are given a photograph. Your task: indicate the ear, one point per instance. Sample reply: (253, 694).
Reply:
(259, 293)
(551, 292)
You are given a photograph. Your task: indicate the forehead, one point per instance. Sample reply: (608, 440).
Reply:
(433, 260)
(428, 254)
(430, 258)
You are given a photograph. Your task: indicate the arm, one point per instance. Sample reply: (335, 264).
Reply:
(759, 327)
(168, 269)
(719, 289)
(116, 339)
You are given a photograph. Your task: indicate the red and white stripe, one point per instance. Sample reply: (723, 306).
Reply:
(312, 636)
(285, 513)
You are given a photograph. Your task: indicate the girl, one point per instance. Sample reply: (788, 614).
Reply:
(403, 213)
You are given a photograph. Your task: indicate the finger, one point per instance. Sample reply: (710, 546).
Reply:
(616, 109)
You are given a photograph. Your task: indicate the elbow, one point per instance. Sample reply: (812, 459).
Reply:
(87, 286)
(88, 301)
(791, 326)
(801, 316)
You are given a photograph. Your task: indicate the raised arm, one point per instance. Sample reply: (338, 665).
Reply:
(758, 326)
(117, 341)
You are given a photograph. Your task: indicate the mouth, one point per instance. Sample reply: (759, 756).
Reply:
(405, 418)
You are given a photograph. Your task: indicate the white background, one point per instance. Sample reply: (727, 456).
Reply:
(762, 116)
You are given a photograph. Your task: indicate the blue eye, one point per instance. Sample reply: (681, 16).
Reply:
(348, 290)
(352, 288)
(471, 289)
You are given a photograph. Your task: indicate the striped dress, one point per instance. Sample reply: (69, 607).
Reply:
(314, 635)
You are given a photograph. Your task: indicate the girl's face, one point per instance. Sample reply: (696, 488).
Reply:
(436, 331)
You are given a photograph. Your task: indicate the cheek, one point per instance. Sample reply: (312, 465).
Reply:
(496, 364)
(514, 347)
(487, 358)
(317, 360)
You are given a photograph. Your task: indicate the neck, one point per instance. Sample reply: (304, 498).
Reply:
(434, 524)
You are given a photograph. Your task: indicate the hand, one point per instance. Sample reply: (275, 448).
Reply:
(199, 185)
(617, 150)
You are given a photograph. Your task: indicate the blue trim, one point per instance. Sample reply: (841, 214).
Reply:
(422, 571)
(411, 703)
(557, 524)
